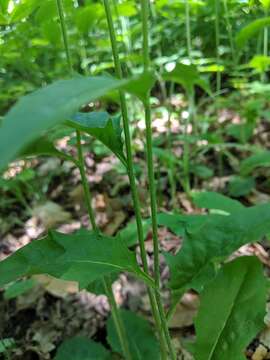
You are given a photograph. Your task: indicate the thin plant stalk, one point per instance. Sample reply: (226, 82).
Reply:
(191, 107)
(151, 175)
(229, 29)
(120, 329)
(132, 179)
(265, 45)
(218, 77)
(188, 32)
(217, 37)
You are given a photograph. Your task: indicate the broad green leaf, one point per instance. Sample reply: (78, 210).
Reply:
(232, 309)
(41, 147)
(44, 108)
(82, 256)
(142, 341)
(176, 223)
(81, 348)
(241, 186)
(261, 159)
(87, 16)
(127, 8)
(130, 235)
(215, 201)
(23, 9)
(6, 344)
(188, 77)
(251, 30)
(18, 288)
(212, 240)
(104, 127)
(260, 63)
(265, 4)
(4, 6)
(97, 286)
(241, 132)
(202, 171)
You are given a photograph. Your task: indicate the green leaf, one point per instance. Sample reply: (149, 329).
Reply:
(188, 77)
(202, 171)
(251, 30)
(173, 222)
(18, 288)
(81, 348)
(104, 127)
(87, 16)
(23, 9)
(6, 344)
(212, 240)
(241, 132)
(261, 159)
(142, 341)
(97, 286)
(215, 201)
(231, 311)
(260, 63)
(241, 186)
(265, 4)
(4, 6)
(130, 235)
(82, 256)
(44, 108)
(43, 147)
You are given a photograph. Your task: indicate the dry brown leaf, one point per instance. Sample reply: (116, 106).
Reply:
(260, 353)
(57, 287)
(114, 224)
(185, 311)
(51, 214)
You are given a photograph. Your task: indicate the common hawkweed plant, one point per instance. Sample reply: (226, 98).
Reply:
(232, 292)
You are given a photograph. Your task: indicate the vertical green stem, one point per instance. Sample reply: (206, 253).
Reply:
(132, 179)
(88, 199)
(229, 29)
(188, 33)
(151, 176)
(86, 189)
(217, 36)
(218, 78)
(64, 34)
(191, 107)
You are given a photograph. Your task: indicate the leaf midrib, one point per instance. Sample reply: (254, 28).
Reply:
(228, 317)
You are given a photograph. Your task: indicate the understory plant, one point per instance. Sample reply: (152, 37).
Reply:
(233, 292)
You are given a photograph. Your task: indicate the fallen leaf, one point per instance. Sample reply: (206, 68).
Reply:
(51, 214)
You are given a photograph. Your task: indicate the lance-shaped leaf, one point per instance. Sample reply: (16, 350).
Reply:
(142, 341)
(216, 201)
(43, 147)
(231, 311)
(81, 348)
(213, 239)
(187, 76)
(44, 108)
(102, 126)
(261, 159)
(82, 256)
(249, 31)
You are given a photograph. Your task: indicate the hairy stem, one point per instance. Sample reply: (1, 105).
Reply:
(88, 199)
(151, 175)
